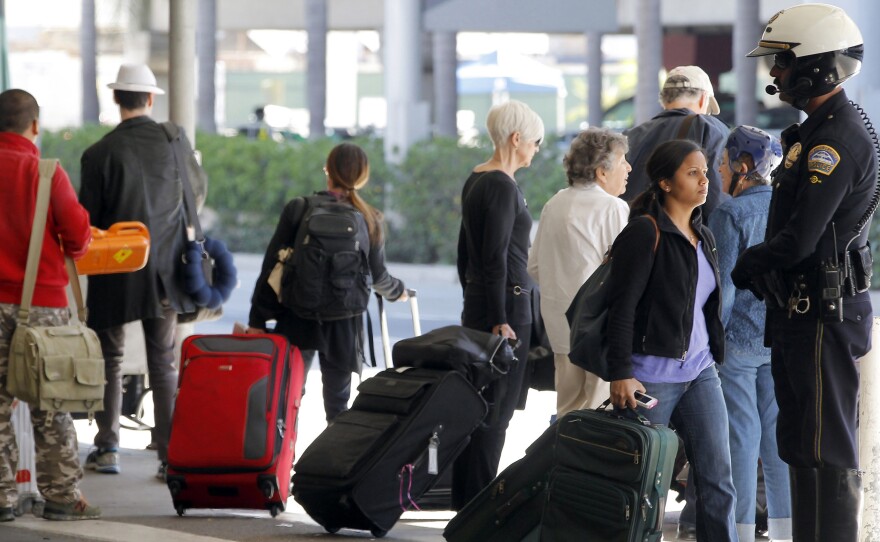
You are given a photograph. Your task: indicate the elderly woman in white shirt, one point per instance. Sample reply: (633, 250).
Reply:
(577, 227)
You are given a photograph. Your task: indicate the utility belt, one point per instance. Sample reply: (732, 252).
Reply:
(818, 292)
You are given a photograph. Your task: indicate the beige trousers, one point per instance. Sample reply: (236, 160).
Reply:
(576, 388)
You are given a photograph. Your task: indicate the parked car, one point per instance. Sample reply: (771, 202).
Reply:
(622, 115)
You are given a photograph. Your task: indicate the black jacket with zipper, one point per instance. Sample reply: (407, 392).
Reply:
(651, 307)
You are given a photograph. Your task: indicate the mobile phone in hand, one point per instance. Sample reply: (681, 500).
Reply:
(645, 400)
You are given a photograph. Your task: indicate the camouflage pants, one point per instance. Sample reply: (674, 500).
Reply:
(58, 468)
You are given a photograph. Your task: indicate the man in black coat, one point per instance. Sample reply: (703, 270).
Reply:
(130, 174)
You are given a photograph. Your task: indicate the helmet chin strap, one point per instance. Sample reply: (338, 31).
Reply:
(734, 182)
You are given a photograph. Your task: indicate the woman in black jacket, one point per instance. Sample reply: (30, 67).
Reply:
(493, 249)
(664, 325)
(339, 342)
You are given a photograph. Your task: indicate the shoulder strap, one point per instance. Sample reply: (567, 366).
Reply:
(172, 131)
(35, 248)
(685, 127)
(38, 229)
(300, 231)
(656, 231)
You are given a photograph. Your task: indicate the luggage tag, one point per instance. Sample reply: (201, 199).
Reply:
(433, 445)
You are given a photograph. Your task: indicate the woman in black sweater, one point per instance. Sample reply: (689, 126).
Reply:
(493, 248)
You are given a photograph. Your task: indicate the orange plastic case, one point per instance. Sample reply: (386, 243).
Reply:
(123, 248)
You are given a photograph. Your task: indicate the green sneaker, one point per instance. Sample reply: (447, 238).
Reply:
(80, 509)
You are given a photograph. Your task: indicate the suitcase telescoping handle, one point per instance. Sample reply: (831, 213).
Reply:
(383, 322)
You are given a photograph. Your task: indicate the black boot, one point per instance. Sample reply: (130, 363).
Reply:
(804, 516)
(840, 504)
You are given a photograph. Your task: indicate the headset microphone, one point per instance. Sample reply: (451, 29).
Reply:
(771, 90)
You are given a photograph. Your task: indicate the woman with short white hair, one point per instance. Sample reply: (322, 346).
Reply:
(493, 247)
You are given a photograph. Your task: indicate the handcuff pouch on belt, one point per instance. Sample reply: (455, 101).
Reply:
(859, 267)
(822, 287)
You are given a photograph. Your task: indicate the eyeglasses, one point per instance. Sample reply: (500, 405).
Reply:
(783, 61)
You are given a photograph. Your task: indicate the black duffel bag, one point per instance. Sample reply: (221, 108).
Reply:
(481, 357)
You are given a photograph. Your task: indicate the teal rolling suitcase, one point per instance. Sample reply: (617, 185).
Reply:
(611, 479)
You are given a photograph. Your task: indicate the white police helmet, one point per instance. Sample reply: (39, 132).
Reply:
(821, 44)
(808, 29)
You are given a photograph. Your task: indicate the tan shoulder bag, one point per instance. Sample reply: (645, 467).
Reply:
(54, 368)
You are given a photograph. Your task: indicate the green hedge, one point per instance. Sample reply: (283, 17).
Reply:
(250, 182)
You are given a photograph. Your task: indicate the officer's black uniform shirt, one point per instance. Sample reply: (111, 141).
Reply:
(827, 176)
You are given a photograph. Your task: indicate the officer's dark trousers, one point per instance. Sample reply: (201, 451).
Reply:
(817, 385)
(477, 465)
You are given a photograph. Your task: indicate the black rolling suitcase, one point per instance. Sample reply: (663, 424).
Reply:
(509, 509)
(374, 461)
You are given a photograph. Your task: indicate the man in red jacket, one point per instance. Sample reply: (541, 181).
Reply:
(67, 232)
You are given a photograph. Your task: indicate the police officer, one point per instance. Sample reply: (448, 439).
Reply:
(818, 317)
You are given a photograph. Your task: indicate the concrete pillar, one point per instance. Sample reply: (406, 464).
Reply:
(88, 37)
(316, 76)
(445, 84)
(408, 116)
(747, 29)
(182, 90)
(182, 64)
(867, 82)
(649, 33)
(869, 437)
(594, 78)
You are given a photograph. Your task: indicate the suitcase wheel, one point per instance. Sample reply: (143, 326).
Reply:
(181, 510)
(378, 533)
(268, 488)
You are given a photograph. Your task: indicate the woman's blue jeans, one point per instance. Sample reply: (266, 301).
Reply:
(698, 411)
(747, 385)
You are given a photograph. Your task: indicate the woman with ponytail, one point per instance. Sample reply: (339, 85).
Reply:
(339, 343)
(664, 325)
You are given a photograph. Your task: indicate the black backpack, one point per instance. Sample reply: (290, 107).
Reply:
(327, 277)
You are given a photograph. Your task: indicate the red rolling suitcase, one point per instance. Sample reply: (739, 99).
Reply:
(234, 425)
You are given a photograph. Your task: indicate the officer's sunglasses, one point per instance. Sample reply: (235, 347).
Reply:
(783, 61)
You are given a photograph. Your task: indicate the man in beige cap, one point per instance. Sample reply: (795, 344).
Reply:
(130, 174)
(689, 106)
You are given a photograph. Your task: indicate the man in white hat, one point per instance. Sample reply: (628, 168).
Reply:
(689, 109)
(130, 174)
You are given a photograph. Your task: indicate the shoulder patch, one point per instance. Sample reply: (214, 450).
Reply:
(822, 159)
(793, 153)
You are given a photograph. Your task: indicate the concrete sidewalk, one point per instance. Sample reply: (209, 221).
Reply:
(137, 506)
